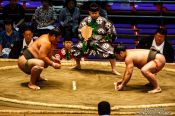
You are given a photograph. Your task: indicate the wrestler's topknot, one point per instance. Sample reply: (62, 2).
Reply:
(119, 48)
(56, 31)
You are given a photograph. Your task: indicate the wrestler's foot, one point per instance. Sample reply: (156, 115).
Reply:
(34, 87)
(42, 79)
(155, 90)
(76, 67)
(116, 72)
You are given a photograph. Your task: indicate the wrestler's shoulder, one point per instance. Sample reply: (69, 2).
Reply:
(43, 37)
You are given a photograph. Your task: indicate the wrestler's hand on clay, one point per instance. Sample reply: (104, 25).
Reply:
(56, 65)
(119, 82)
(56, 60)
(120, 87)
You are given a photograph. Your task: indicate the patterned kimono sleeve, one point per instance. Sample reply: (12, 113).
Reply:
(62, 16)
(82, 24)
(54, 15)
(111, 31)
(36, 14)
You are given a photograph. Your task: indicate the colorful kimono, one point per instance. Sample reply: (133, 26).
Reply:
(100, 42)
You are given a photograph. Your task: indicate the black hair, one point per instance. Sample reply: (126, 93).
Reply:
(56, 32)
(162, 31)
(67, 1)
(119, 48)
(8, 21)
(104, 108)
(94, 7)
(67, 39)
(28, 28)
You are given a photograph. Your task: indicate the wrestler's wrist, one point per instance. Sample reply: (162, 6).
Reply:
(53, 64)
(123, 83)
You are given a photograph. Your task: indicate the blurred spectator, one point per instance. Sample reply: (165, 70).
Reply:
(23, 43)
(69, 19)
(44, 17)
(160, 43)
(102, 5)
(14, 11)
(1, 26)
(103, 13)
(65, 52)
(104, 108)
(7, 39)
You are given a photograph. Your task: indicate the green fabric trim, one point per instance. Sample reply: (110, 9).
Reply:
(84, 48)
(94, 47)
(68, 57)
(94, 31)
(93, 24)
(107, 38)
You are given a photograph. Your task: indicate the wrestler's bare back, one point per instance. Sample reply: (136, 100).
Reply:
(35, 48)
(137, 56)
